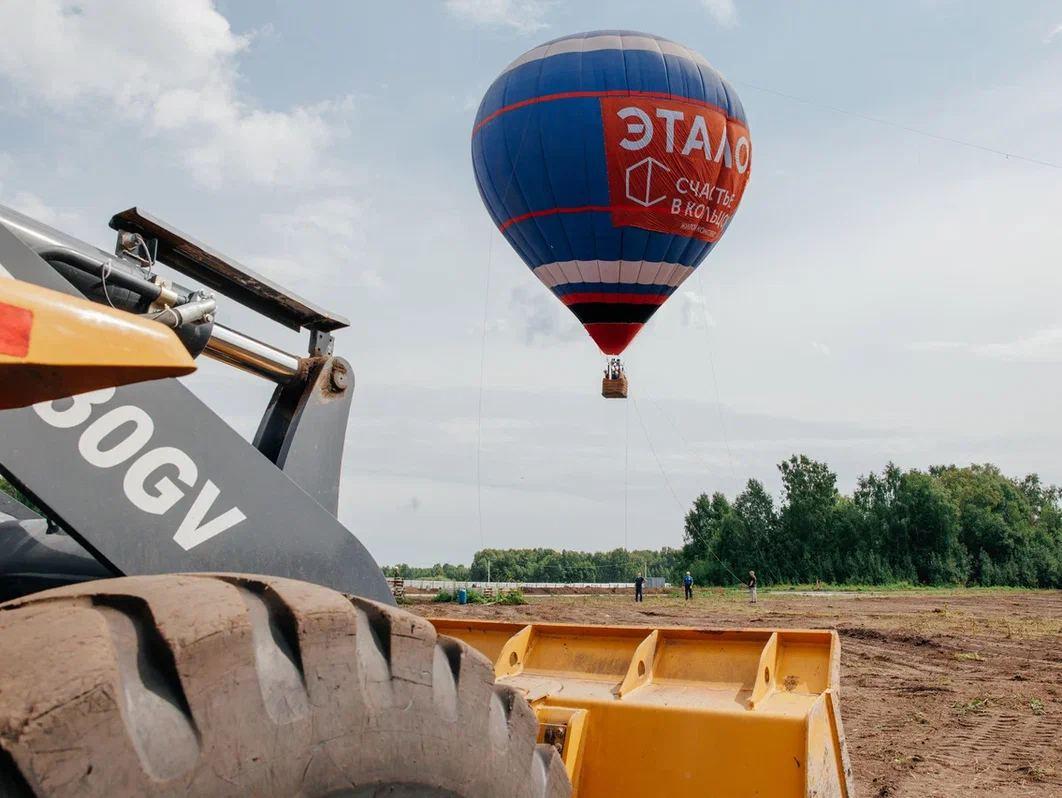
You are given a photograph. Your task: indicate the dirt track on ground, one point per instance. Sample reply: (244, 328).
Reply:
(950, 694)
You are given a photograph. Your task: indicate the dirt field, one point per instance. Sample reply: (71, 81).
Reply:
(954, 693)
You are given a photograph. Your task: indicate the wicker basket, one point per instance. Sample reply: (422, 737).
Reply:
(614, 389)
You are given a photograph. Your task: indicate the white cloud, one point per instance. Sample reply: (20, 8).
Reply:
(1054, 34)
(723, 11)
(821, 348)
(325, 240)
(524, 16)
(1044, 346)
(541, 317)
(31, 204)
(36, 208)
(695, 310)
(170, 69)
(332, 219)
(499, 326)
(935, 346)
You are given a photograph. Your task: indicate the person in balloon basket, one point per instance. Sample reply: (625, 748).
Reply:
(752, 587)
(687, 584)
(639, 580)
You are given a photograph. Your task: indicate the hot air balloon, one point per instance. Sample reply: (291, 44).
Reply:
(612, 162)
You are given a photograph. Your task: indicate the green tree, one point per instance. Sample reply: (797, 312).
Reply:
(755, 508)
(703, 523)
(805, 542)
(996, 518)
(704, 527)
(911, 530)
(931, 531)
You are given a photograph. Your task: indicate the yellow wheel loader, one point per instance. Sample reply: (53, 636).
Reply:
(138, 657)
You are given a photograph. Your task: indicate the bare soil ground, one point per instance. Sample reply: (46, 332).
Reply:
(945, 693)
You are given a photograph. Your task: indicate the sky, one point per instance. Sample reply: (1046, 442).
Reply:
(889, 289)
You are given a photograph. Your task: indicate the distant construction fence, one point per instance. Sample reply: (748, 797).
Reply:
(436, 585)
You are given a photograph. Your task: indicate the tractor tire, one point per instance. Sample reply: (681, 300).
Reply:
(226, 685)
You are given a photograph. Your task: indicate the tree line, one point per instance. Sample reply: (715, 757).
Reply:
(946, 525)
(550, 565)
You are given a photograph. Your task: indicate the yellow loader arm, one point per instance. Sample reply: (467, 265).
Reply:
(54, 345)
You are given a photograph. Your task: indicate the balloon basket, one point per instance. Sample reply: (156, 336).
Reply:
(614, 388)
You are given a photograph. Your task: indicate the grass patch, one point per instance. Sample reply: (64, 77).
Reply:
(1037, 706)
(473, 596)
(967, 656)
(907, 760)
(511, 598)
(977, 706)
(847, 588)
(1024, 628)
(1036, 773)
(895, 587)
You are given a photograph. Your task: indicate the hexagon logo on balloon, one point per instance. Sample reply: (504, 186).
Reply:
(639, 182)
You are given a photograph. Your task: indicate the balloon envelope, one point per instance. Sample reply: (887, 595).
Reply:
(612, 161)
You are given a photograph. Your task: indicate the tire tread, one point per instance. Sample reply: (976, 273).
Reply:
(227, 684)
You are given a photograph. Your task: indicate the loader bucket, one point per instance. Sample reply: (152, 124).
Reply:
(54, 345)
(676, 711)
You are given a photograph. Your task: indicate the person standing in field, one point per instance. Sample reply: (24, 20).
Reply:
(752, 587)
(639, 580)
(687, 582)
